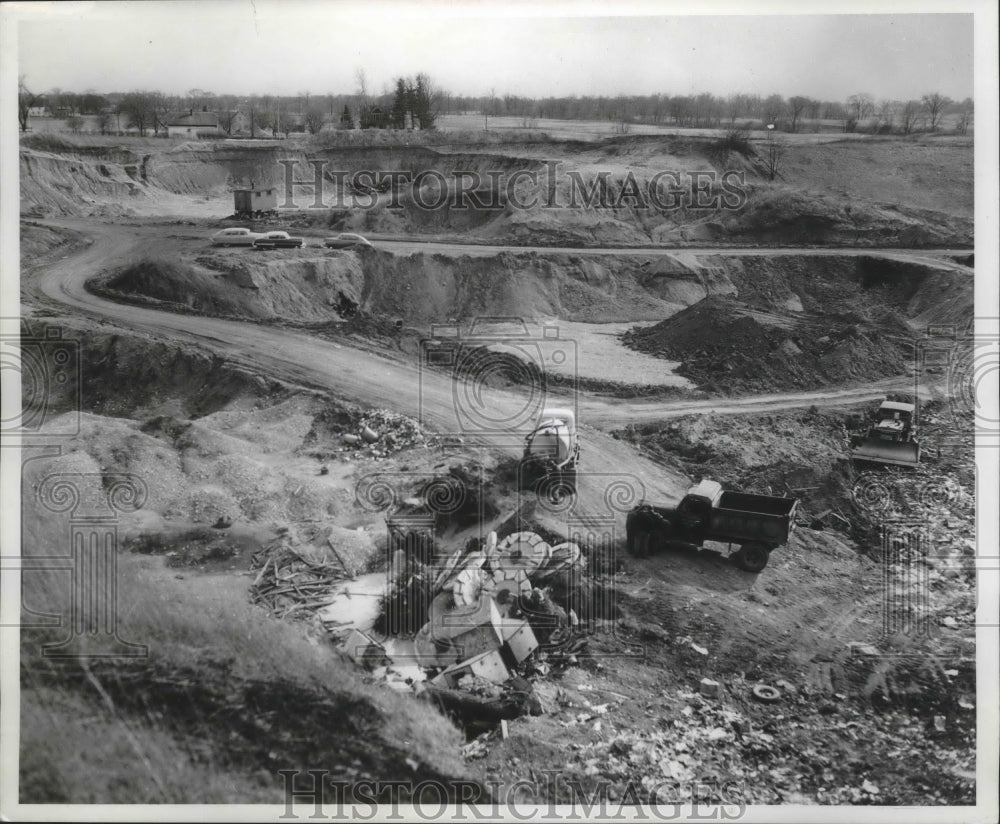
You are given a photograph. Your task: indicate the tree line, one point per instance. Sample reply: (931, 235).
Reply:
(705, 110)
(416, 103)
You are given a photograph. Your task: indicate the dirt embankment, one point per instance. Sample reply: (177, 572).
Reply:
(559, 193)
(40, 242)
(804, 323)
(305, 286)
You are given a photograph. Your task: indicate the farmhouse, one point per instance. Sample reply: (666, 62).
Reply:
(194, 124)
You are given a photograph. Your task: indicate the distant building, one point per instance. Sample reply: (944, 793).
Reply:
(38, 111)
(254, 201)
(194, 124)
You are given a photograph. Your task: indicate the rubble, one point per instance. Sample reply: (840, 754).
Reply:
(379, 433)
(295, 580)
(710, 688)
(483, 620)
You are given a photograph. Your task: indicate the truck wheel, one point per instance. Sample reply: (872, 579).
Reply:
(753, 557)
(640, 545)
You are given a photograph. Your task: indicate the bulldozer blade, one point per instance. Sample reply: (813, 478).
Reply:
(891, 454)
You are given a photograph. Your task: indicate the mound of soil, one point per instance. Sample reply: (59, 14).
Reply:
(724, 346)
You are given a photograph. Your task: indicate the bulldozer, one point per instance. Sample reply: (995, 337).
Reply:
(551, 452)
(891, 440)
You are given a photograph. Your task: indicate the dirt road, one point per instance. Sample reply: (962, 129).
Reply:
(370, 378)
(928, 257)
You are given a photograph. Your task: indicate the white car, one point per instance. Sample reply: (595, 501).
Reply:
(235, 237)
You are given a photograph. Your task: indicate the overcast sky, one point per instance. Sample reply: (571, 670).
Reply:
(266, 47)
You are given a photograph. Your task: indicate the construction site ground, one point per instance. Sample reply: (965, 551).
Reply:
(227, 380)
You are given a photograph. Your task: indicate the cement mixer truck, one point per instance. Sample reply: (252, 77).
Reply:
(551, 452)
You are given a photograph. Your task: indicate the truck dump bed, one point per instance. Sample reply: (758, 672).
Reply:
(742, 517)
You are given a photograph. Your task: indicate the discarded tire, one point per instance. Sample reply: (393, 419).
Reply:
(766, 694)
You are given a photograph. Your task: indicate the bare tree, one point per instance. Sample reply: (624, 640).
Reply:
(908, 113)
(964, 115)
(254, 108)
(934, 105)
(772, 108)
(886, 115)
(796, 106)
(774, 153)
(140, 109)
(488, 104)
(25, 101)
(74, 123)
(859, 107)
(161, 107)
(227, 117)
(104, 121)
(315, 120)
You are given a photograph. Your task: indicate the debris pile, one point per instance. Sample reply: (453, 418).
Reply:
(462, 629)
(786, 750)
(380, 433)
(297, 573)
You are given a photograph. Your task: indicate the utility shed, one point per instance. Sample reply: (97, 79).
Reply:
(251, 201)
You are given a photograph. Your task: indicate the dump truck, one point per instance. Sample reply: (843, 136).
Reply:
(891, 439)
(551, 452)
(757, 524)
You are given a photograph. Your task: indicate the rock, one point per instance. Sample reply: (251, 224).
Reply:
(868, 787)
(949, 622)
(369, 435)
(710, 688)
(652, 632)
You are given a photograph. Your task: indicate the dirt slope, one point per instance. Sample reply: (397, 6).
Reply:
(73, 177)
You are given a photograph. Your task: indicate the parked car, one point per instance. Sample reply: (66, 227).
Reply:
(347, 240)
(235, 236)
(278, 240)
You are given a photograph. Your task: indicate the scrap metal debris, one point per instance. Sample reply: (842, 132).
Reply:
(483, 616)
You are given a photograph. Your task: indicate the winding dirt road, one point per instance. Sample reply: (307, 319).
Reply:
(369, 378)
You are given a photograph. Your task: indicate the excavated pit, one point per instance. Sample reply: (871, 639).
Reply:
(724, 323)
(514, 200)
